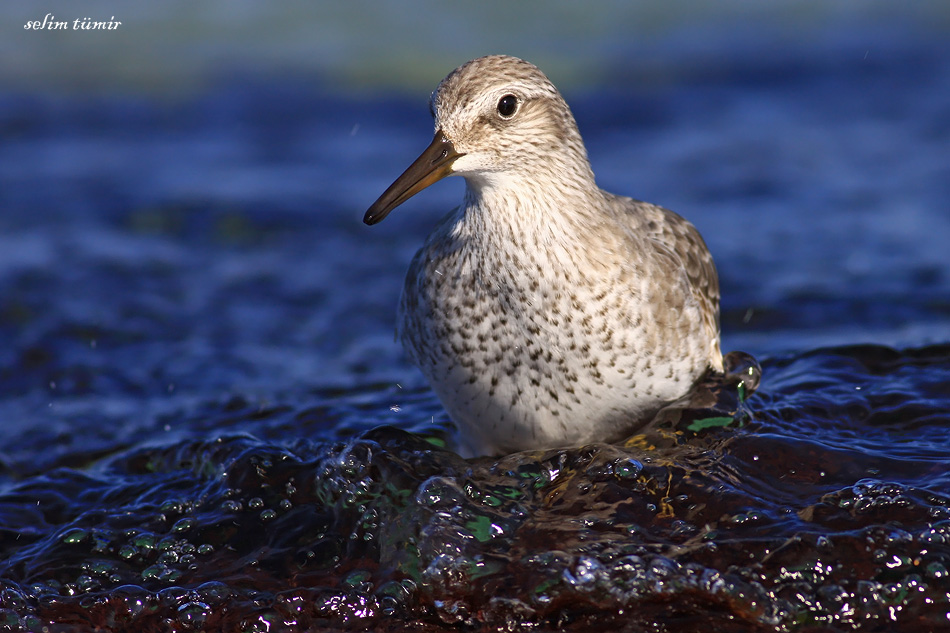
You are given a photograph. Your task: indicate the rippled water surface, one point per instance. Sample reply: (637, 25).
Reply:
(208, 426)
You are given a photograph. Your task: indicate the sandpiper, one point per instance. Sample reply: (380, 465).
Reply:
(544, 311)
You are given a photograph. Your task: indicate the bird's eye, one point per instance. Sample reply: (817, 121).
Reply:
(507, 106)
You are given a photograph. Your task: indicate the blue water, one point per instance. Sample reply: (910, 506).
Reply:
(205, 415)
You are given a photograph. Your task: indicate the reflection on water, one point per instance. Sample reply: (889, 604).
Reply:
(208, 426)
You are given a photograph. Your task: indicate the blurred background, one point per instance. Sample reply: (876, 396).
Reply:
(181, 197)
(180, 46)
(196, 328)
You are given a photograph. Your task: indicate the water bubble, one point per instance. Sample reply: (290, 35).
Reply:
(585, 572)
(834, 597)
(662, 567)
(98, 568)
(192, 615)
(168, 558)
(183, 525)
(12, 598)
(394, 593)
(153, 572)
(171, 507)
(451, 611)
(86, 583)
(144, 541)
(439, 492)
(359, 581)
(628, 469)
(231, 505)
(213, 592)
(897, 537)
(173, 596)
(75, 535)
(255, 503)
(682, 529)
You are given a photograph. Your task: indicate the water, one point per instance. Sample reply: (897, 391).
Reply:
(208, 426)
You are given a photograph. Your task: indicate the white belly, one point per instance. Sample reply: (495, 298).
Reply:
(521, 365)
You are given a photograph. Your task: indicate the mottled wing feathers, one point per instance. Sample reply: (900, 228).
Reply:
(682, 239)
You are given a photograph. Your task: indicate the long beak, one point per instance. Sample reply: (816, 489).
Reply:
(433, 165)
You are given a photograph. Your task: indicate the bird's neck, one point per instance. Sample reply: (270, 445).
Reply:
(524, 206)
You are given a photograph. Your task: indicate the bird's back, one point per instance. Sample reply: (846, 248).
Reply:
(674, 235)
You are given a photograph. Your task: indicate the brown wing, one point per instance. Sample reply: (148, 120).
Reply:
(681, 238)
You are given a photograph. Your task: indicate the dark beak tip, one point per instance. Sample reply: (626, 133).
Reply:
(375, 214)
(432, 165)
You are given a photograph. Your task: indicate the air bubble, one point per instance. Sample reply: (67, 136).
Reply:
(628, 469)
(192, 615)
(75, 535)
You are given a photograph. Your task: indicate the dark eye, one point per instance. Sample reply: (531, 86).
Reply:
(507, 106)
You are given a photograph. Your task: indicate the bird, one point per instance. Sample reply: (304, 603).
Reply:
(543, 311)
